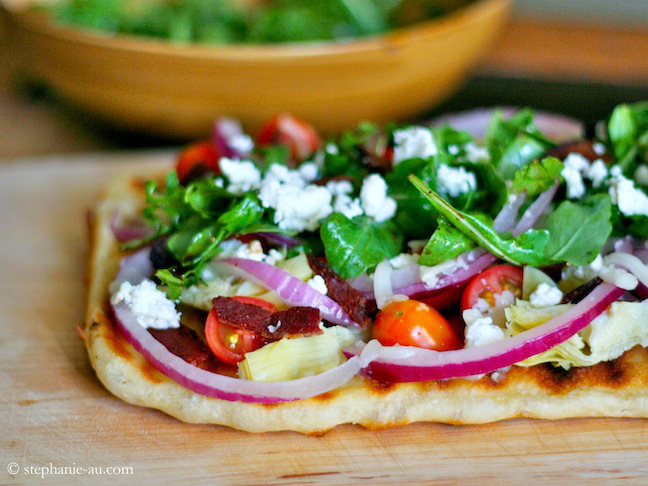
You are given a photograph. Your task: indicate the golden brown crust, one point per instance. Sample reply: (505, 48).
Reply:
(618, 388)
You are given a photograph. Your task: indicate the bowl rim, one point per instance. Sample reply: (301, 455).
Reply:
(472, 13)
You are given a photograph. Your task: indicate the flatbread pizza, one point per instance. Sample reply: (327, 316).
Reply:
(385, 277)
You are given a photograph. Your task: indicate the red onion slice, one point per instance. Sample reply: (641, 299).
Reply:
(128, 232)
(406, 363)
(290, 289)
(533, 212)
(505, 219)
(225, 131)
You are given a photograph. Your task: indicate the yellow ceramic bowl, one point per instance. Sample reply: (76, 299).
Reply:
(176, 91)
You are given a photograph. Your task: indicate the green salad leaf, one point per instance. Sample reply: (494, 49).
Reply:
(579, 230)
(538, 176)
(446, 243)
(356, 246)
(526, 249)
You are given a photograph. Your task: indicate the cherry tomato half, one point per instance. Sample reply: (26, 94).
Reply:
(491, 282)
(229, 344)
(296, 134)
(197, 159)
(413, 323)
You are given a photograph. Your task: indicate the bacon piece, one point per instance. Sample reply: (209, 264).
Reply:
(352, 301)
(186, 344)
(268, 325)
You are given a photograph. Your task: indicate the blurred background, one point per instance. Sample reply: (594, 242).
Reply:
(579, 57)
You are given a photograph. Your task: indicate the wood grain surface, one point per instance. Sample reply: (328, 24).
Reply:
(55, 413)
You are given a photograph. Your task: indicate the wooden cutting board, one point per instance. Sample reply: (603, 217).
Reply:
(54, 413)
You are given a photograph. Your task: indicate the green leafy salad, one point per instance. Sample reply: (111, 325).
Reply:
(390, 230)
(251, 21)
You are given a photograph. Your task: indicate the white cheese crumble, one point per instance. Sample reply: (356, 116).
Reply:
(243, 175)
(348, 206)
(480, 329)
(575, 166)
(455, 181)
(319, 284)
(597, 172)
(413, 142)
(250, 251)
(545, 295)
(241, 142)
(476, 153)
(599, 148)
(374, 199)
(430, 275)
(631, 200)
(149, 305)
(309, 171)
(598, 268)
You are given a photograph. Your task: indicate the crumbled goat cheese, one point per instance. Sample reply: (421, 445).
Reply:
(283, 175)
(583, 273)
(476, 153)
(631, 200)
(480, 329)
(319, 284)
(339, 188)
(641, 175)
(374, 199)
(250, 251)
(296, 208)
(545, 295)
(599, 148)
(309, 171)
(453, 149)
(575, 166)
(149, 305)
(413, 142)
(243, 175)
(241, 142)
(455, 181)
(348, 206)
(597, 172)
(404, 260)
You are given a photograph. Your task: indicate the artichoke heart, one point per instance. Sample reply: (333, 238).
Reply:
(292, 358)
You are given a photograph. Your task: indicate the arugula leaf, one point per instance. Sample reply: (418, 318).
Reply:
(514, 142)
(538, 176)
(628, 133)
(526, 249)
(353, 247)
(446, 243)
(579, 230)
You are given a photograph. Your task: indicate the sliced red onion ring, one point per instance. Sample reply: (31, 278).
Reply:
(290, 289)
(505, 219)
(407, 363)
(631, 263)
(278, 239)
(557, 127)
(533, 212)
(226, 131)
(128, 232)
(136, 268)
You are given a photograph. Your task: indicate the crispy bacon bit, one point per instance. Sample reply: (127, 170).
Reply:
(186, 344)
(351, 300)
(582, 147)
(270, 326)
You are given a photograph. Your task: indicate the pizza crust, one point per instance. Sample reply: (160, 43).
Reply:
(614, 389)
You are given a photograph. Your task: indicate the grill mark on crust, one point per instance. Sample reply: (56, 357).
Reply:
(380, 387)
(114, 338)
(326, 397)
